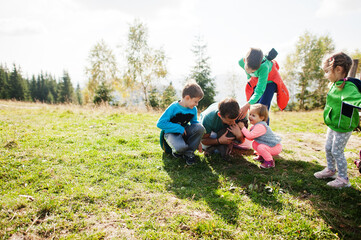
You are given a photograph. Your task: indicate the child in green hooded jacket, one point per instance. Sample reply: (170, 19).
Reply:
(341, 116)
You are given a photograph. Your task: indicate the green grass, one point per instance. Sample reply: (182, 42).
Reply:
(81, 173)
(298, 122)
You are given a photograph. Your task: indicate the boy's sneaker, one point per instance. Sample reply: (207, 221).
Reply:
(259, 158)
(176, 155)
(190, 160)
(358, 164)
(268, 164)
(339, 182)
(325, 173)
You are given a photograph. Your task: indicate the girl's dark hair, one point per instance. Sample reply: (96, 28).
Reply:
(254, 58)
(339, 59)
(261, 110)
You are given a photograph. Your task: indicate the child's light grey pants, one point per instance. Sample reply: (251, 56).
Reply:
(335, 145)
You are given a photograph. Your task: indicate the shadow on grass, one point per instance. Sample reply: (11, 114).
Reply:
(339, 208)
(199, 182)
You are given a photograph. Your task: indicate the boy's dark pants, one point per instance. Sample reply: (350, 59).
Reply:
(267, 96)
(187, 144)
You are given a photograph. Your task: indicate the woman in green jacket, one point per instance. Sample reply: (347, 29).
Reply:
(341, 116)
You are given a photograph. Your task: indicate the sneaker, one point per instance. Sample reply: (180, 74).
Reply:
(268, 164)
(357, 163)
(190, 160)
(259, 158)
(325, 173)
(339, 182)
(176, 155)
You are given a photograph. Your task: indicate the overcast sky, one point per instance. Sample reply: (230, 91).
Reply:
(53, 36)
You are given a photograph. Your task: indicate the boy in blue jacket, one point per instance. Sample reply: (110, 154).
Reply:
(180, 128)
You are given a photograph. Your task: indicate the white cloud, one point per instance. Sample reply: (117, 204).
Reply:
(335, 8)
(138, 8)
(57, 35)
(20, 27)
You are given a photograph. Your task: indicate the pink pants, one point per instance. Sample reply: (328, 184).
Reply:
(266, 151)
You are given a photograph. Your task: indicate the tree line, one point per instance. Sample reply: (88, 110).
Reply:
(144, 68)
(303, 73)
(42, 87)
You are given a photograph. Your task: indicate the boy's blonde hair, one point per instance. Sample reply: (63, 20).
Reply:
(261, 110)
(193, 90)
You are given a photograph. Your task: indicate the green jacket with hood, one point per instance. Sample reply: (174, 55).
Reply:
(341, 110)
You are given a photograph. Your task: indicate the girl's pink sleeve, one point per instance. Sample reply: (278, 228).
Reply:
(255, 132)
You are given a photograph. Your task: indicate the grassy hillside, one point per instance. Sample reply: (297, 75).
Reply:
(80, 173)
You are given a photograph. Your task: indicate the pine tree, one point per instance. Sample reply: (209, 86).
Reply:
(38, 89)
(4, 76)
(50, 98)
(33, 89)
(102, 94)
(16, 85)
(154, 98)
(53, 89)
(78, 95)
(201, 73)
(44, 91)
(168, 96)
(66, 90)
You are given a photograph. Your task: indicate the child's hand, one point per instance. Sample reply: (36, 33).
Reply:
(185, 133)
(240, 125)
(235, 130)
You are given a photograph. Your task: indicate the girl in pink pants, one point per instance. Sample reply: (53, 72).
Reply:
(266, 143)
